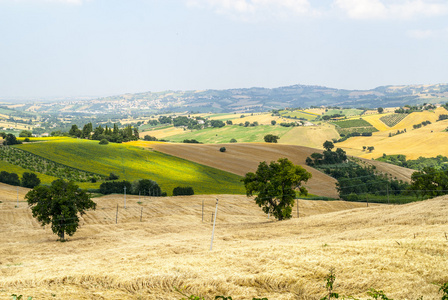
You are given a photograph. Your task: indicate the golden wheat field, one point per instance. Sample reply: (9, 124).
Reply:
(399, 249)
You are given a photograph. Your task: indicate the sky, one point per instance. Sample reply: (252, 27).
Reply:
(70, 48)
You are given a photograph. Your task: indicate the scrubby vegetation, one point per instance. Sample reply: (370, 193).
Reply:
(439, 162)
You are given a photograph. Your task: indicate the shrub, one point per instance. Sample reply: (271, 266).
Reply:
(270, 138)
(222, 149)
(30, 180)
(104, 142)
(233, 140)
(183, 191)
(112, 176)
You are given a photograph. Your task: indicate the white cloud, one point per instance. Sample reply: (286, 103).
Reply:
(249, 9)
(428, 33)
(392, 9)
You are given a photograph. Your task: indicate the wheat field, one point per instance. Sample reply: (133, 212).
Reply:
(399, 249)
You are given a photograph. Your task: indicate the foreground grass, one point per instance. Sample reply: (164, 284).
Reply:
(133, 163)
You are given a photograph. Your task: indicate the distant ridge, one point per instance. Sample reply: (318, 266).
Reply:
(253, 99)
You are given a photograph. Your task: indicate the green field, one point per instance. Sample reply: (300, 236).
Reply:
(134, 163)
(349, 112)
(297, 114)
(226, 133)
(4, 166)
(353, 125)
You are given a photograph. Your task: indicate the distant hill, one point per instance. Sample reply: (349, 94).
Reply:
(251, 99)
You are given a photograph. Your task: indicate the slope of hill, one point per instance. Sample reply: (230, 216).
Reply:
(427, 141)
(398, 249)
(242, 158)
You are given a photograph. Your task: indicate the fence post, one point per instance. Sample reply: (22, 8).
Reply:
(141, 214)
(214, 223)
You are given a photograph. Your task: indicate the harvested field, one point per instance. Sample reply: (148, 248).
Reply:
(242, 158)
(398, 249)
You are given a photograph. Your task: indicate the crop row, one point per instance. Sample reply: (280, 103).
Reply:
(42, 165)
(393, 119)
(352, 123)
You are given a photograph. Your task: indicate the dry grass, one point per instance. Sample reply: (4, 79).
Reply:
(399, 249)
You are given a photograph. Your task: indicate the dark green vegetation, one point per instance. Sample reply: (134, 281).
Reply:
(270, 138)
(132, 163)
(393, 119)
(357, 182)
(101, 134)
(39, 164)
(430, 182)
(183, 191)
(352, 126)
(60, 205)
(275, 186)
(438, 163)
(29, 180)
(424, 123)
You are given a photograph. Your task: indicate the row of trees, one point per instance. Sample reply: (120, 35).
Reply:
(115, 134)
(29, 180)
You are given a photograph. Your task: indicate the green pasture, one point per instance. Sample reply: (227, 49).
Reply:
(134, 163)
(298, 114)
(348, 112)
(226, 133)
(10, 168)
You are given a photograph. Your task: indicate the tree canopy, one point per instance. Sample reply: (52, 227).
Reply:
(275, 186)
(59, 205)
(270, 138)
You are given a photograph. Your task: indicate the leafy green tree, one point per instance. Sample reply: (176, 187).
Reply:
(273, 122)
(60, 205)
(86, 130)
(270, 138)
(233, 140)
(430, 182)
(222, 149)
(146, 187)
(25, 133)
(328, 145)
(10, 139)
(380, 110)
(30, 180)
(74, 131)
(275, 186)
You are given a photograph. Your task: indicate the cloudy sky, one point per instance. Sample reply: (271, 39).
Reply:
(52, 48)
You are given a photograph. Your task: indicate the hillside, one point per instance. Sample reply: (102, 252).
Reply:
(245, 100)
(427, 141)
(242, 158)
(398, 249)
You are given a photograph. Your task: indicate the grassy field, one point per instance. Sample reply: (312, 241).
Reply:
(4, 166)
(133, 163)
(299, 114)
(226, 133)
(346, 112)
(398, 249)
(353, 125)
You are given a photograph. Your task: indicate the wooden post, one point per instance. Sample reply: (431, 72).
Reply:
(116, 216)
(367, 200)
(214, 223)
(141, 214)
(211, 220)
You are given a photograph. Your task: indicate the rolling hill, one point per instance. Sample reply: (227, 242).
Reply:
(398, 249)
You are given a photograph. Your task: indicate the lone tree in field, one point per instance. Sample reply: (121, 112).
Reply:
(270, 138)
(59, 205)
(275, 186)
(328, 145)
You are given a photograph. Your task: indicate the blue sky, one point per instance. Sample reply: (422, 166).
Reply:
(51, 48)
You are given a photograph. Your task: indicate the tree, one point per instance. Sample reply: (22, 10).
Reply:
(430, 182)
(328, 145)
(275, 186)
(380, 110)
(270, 138)
(222, 149)
(30, 180)
(273, 122)
(370, 148)
(25, 133)
(59, 205)
(233, 140)
(11, 139)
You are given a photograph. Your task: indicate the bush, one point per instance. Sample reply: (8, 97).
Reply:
(112, 176)
(233, 140)
(192, 141)
(30, 180)
(222, 149)
(115, 187)
(104, 142)
(183, 191)
(9, 178)
(270, 138)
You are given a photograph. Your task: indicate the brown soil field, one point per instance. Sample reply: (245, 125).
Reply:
(398, 249)
(241, 158)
